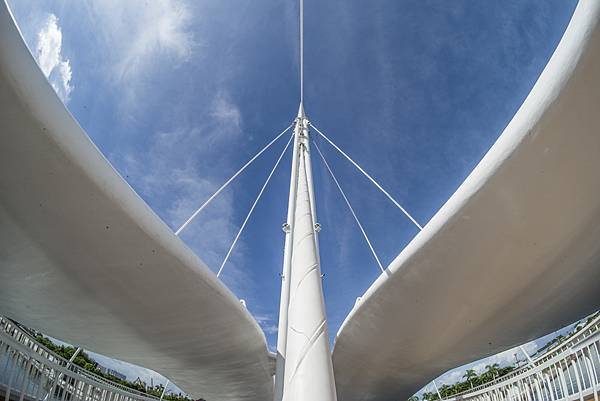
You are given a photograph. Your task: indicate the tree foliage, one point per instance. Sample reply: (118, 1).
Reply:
(472, 379)
(84, 361)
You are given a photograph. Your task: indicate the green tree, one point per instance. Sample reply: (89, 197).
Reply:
(470, 375)
(491, 371)
(429, 396)
(505, 370)
(86, 362)
(445, 390)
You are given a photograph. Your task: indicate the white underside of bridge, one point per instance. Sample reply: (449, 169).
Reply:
(85, 260)
(514, 254)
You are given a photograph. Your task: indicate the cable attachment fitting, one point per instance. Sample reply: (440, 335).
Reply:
(286, 228)
(317, 227)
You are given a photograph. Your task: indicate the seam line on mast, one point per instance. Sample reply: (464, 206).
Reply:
(295, 330)
(300, 240)
(305, 350)
(312, 268)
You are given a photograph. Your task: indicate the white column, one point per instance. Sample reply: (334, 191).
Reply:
(287, 263)
(162, 394)
(437, 390)
(308, 367)
(570, 378)
(549, 385)
(526, 354)
(592, 375)
(529, 390)
(309, 177)
(579, 387)
(519, 391)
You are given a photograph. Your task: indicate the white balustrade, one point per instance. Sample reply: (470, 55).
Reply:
(567, 372)
(30, 372)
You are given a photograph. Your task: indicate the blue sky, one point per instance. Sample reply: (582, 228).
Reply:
(179, 94)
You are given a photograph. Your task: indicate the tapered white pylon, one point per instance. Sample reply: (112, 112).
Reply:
(307, 368)
(287, 265)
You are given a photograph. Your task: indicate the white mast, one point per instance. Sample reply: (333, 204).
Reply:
(308, 370)
(304, 370)
(287, 263)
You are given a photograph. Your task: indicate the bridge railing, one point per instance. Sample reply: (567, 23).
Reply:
(569, 371)
(585, 332)
(31, 372)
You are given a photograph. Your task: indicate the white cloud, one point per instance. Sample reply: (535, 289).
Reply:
(181, 163)
(48, 53)
(271, 329)
(267, 322)
(138, 31)
(504, 358)
(131, 371)
(226, 112)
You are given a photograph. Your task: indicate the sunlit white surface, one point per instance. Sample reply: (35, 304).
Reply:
(515, 252)
(84, 259)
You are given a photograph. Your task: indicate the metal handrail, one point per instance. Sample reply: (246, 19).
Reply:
(577, 337)
(66, 372)
(75, 368)
(54, 366)
(552, 354)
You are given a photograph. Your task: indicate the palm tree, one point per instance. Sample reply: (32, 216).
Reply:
(427, 396)
(492, 370)
(444, 390)
(470, 374)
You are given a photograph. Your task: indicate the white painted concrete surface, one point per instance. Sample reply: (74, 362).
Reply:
(84, 259)
(515, 252)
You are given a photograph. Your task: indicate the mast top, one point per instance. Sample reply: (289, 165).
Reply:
(301, 111)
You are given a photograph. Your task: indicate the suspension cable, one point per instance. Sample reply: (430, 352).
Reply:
(301, 51)
(253, 206)
(350, 207)
(233, 177)
(369, 177)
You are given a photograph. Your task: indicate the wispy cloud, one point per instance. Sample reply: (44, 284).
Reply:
(177, 172)
(134, 372)
(173, 164)
(140, 31)
(226, 113)
(267, 322)
(48, 53)
(504, 358)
